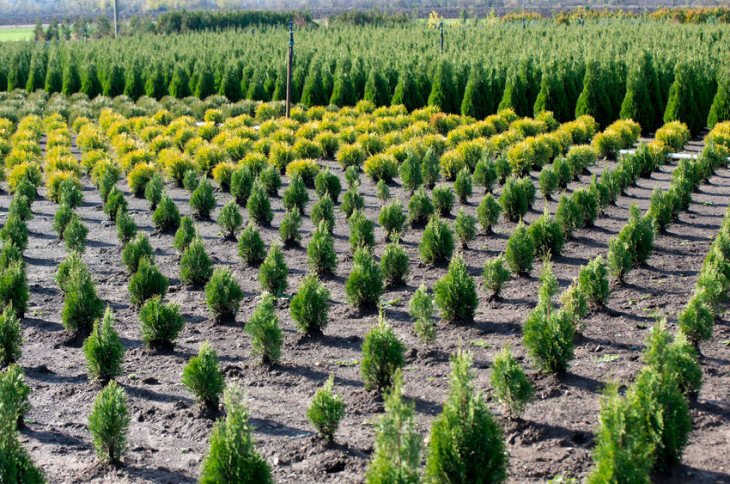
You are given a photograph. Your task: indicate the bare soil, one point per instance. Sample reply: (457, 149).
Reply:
(168, 433)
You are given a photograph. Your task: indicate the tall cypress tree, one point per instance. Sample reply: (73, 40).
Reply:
(515, 94)
(406, 91)
(54, 75)
(720, 109)
(133, 84)
(376, 88)
(343, 93)
(552, 94)
(204, 82)
(443, 89)
(154, 85)
(313, 93)
(594, 99)
(683, 104)
(180, 83)
(90, 83)
(37, 72)
(71, 79)
(476, 94)
(642, 101)
(113, 83)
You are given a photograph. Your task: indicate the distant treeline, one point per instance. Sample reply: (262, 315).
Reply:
(184, 21)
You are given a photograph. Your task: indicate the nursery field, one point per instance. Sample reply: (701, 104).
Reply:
(350, 243)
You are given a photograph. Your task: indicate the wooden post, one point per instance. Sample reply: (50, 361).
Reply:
(289, 68)
(441, 27)
(116, 30)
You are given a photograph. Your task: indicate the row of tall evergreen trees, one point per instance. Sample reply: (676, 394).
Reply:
(606, 90)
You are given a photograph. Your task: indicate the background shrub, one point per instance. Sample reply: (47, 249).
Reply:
(321, 255)
(203, 377)
(15, 231)
(465, 227)
(547, 236)
(223, 294)
(135, 250)
(443, 199)
(160, 324)
(184, 235)
(273, 272)
(520, 251)
(351, 201)
(364, 285)
(154, 190)
(109, 423)
(463, 185)
(327, 183)
(362, 233)
(202, 200)
(309, 307)
(420, 208)
(81, 306)
(517, 197)
(103, 349)
(392, 218)
(251, 247)
(14, 393)
(456, 294)
(263, 327)
(326, 410)
(382, 355)
(324, 211)
(295, 195)
(241, 184)
(166, 216)
(230, 220)
(488, 212)
(259, 206)
(126, 227)
(195, 264)
(74, 235)
(114, 202)
(14, 287)
(593, 281)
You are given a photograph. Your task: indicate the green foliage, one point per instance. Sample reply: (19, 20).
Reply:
(160, 324)
(463, 185)
(674, 358)
(74, 235)
(410, 173)
(495, 274)
(511, 386)
(266, 336)
(593, 281)
(251, 247)
(420, 309)
(20, 208)
(321, 255)
(466, 443)
(485, 174)
(397, 453)
(488, 212)
(661, 208)
(114, 202)
(310, 306)
(295, 195)
(232, 456)
(362, 231)
(202, 200)
(203, 377)
(520, 251)
(696, 320)
(241, 184)
(190, 180)
(324, 211)
(326, 410)
(465, 227)
(81, 306)
(456, 294)
(103, 349)
(15, 231)
(126, 227)
(135, 250)
(430, 168)
(443, 199)
(620, 259)
(154, 190)
(259, 205)
(166, 216)
(352, 201)
(273, 272)
(587, 202)
(547, 236)
(147, 282)
(381, 166)
(14, 394)
(420, 208)
(638, 234)
(109, 423)
(230, 220)
(568, 215)
(394, 264)
(61, 219)
(392, 218)
(517, 197)
(195, 264)
(383, 354)
(270, 180)
(548, 181)
(184, 235)
(223, 294)
(11, 339)
(14, 287)
(364, 285)
(437, 242)
(327, 183)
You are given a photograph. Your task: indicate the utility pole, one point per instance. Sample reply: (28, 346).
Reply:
(441, 28)
(289, 68)
(116, 30)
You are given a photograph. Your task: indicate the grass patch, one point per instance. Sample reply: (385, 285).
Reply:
(14, 33)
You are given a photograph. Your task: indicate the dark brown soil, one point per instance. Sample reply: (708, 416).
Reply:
(168, 434)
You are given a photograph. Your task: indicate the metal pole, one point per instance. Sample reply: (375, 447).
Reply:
(116, 31)
(288, 68)
(441, 27)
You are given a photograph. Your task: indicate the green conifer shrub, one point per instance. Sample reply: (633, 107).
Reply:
(593, 282)
(230, 220)
(203, 377)
(14, 393)
(548, 182)
(463, 185)
(109, 423)
(326, 410)
(362, 231)
(488, 212)
(392, 218)
(517, 197)
(273, 272)
(160, 324)
(14, 287)
(295, 195)
(383, 354)
(146, 282)
(410, 173)
(485, 174)
(465, 227)
(437, 242)
(673, 357)
(420, 309)
(495, 274)
(324, 211)
(520, 251)
(251, 247)
(241, 184)
(61, 219)
(455, 293)
(11, 340)
(364, 286)
(420, 208)
(190, 180)
(321, 255)
(20, 208)
(569, 215)
(327, 183)
(81, 306)
(394, 265)
(166, 216)
(466, 443)
(223, 294)
(195, 264)
(266, 336)
(511, 386)
(15, 231)
(270, 180)
(74, 235)
(587, 202)
(309, 307)
(443, 199)
(103, 349)
(135, 250)
(352, 201)
(232, 456)
(126, 227)
(114, 202)
(154, 190)
(202, 200)
(397, 453)
(259, 205)
(547, 236)
(696, 320)
(184, 235)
